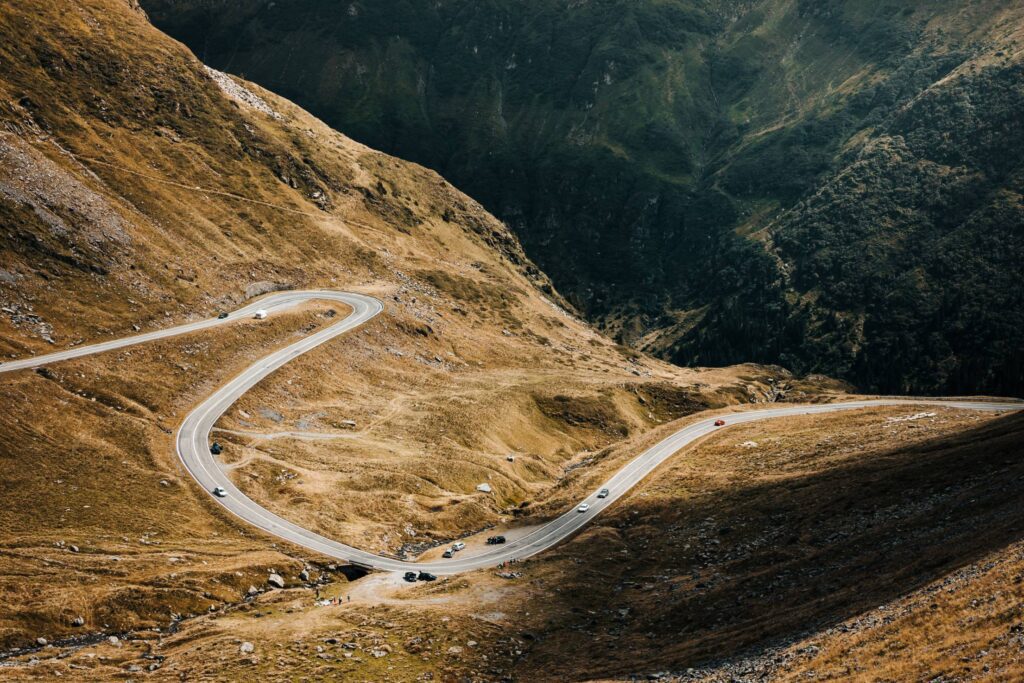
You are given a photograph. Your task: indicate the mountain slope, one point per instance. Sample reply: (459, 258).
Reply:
(139, 190)
(669, 163)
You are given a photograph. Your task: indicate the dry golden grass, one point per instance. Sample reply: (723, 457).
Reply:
(907, 569)
(136, 194)
(735, 550)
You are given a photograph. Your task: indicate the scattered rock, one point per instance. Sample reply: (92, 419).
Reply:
(485, 488)
(275, 580)
(114, 640)
(910, 418)
(271, 415)
(246, 648)
(41, 642)
(304, 575)
(78, 621)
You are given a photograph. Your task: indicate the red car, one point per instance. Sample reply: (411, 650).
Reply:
(719, 423)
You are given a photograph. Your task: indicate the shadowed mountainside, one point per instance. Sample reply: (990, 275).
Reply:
(832, 186)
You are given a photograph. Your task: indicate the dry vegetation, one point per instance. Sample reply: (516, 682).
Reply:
(769, 533)
(138, 192)
(880, 545)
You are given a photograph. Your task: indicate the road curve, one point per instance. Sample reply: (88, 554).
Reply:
(193, 440)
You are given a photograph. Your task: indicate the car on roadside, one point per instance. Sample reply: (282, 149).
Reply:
(426, 576)
(583, 507)
(216, 448)
(456, 547)
(495, 540)
(447, 553)
(222, 315)
(719, 423)
(220, 492)
(260, 314)
(410, 577)
(603, 493)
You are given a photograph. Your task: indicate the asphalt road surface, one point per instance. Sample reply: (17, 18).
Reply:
(193, 440)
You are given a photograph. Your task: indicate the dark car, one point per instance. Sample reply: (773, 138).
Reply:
(495, 540)
(426, 576)
(222, 315)
(410, 577)
(216, 448)
(447, 553)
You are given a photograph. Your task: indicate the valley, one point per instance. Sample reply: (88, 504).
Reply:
(833, 187)
(190, 258)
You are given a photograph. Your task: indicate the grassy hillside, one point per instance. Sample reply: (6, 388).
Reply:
(674, 166)
(139, 190)
(874, 545)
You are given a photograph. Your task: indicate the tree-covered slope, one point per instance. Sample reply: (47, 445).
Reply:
(769, 180)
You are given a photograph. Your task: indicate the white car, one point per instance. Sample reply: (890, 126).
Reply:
(458, 546)
(260, 314)
(220, 492)
(603, 493)
(583, 508)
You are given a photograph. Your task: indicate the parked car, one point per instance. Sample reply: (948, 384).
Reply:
(495, 540)
(719, 423)
(216, 448)
(583, 508)
(447, 553)
(220, 492)
(426, 576)
(260, 314)
(457, 546)
(410, 577)
(222, 315)
(603, 493)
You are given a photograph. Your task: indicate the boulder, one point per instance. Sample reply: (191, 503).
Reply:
(275, 580)
(485, 488)
(246, 648)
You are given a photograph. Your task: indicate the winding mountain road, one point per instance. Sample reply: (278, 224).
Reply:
(193, 439)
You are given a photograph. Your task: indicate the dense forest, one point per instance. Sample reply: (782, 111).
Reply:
(833, 186)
